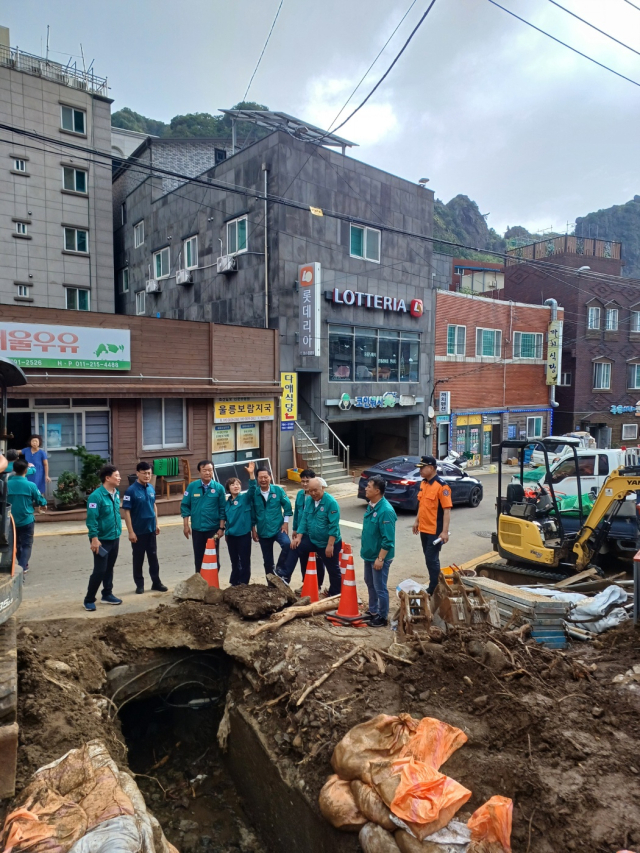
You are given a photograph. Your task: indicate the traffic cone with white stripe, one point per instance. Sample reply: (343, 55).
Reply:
(348, 612)
(209, 570)
(346, 549)
(310, 585)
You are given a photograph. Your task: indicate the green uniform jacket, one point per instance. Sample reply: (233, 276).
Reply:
(240, 515)
(322, 521)
(270, 514)
(378, 531)
(103, 514)
(23, 495)
(205, 506)
(298, 509)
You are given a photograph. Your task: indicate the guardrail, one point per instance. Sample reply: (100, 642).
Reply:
(67, 75)
(334, 442)
(312, 453)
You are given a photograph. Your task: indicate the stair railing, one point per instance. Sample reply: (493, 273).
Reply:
(308, 449)
(334, 443)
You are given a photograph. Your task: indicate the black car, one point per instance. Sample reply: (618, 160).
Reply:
(403, 482)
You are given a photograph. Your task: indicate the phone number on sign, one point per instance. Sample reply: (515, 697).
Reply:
(67, 363)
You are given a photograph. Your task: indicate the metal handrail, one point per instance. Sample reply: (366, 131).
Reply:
(318, 450)
(13, 57)
(343, 453)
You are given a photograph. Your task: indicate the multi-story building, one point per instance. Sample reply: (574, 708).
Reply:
(490, 369)
(599, 387)
(352, 301)
(56, 243)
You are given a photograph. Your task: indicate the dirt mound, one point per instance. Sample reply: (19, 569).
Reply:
(253, 601)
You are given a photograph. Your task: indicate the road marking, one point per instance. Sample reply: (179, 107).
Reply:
(350, 524)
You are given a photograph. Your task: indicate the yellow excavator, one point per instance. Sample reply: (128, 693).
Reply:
(537, 542)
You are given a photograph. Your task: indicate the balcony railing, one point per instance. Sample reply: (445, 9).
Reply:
(66, 75)
(568, 245)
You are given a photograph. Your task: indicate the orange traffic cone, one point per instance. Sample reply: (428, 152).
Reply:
(209, 570)
(310, 585)
(346, 549)
(348, 612)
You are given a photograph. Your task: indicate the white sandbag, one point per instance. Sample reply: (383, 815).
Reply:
(375, 839)
(118, 835)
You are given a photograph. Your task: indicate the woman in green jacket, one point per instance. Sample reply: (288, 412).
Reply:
(240, 520)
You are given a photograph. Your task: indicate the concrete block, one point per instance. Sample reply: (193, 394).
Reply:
(8, 760)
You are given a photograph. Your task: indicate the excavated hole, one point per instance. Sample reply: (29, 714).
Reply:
(171, 737)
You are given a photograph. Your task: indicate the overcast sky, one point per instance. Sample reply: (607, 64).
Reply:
(479, 103)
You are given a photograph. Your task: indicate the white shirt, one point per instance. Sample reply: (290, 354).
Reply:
(317, 502)
(265, 495)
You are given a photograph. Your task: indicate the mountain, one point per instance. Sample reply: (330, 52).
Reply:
(460, 221)
(620, 222)
(193, 124)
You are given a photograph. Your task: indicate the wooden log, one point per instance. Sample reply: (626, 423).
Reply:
(294, 612)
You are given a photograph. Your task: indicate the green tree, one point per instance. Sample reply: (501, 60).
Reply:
(130, 120)
(91, 464)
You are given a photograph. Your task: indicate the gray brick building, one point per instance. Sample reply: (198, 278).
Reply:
(365, 365)
(56, 242)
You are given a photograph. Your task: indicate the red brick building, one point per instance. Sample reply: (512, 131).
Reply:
(490, 374)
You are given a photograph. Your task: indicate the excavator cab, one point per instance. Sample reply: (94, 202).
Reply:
(529, 525)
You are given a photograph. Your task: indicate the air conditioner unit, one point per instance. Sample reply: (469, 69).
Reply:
(227, 263)
(154, 286)
(184, 277)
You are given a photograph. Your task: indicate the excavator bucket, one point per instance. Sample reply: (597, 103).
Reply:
(458, 605)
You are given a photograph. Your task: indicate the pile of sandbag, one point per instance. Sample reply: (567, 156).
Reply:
(388, 787)
(82, 803)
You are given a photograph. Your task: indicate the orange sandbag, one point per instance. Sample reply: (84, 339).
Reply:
(371, 805)
(378, 739)
(492, 822)
(338, 806)
(433, 742)
(419, 795)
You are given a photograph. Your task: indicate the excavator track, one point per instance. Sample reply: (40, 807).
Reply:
(501, 570)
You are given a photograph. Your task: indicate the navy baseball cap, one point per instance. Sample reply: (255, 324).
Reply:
(427, 460)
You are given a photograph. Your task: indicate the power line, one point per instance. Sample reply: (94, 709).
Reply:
(597, 29)
(564, 44)
(632, 4)
(262, 52)
(388, 71)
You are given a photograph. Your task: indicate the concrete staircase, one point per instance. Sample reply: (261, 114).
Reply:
(333, 470)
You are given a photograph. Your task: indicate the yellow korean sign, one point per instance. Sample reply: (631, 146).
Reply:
(237, 411)
(554, 351)
(289, 412)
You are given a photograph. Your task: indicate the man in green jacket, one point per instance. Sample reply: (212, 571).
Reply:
(23, 495)
(377, 549)
(319, 531)
(305, 478)
(204, 502)
(104, 525)
(272, 510)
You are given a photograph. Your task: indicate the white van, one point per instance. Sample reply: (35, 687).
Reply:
(581, 441)
(594, 466)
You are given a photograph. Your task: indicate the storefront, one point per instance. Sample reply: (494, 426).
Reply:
(101, 383)
(477, 434)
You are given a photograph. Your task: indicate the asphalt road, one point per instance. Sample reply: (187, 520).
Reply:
(61, 564)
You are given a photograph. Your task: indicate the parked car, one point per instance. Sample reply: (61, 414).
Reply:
(403, 482)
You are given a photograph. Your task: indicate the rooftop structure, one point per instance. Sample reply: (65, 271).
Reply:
(293, 126)
(68, 75)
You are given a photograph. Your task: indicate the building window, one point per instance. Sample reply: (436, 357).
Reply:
(373, 355)
(635, 321)
(21, 228)
(602, 376)
(77, 299)
(124, 280)
(488, 343)
(593, 318)
(237, 236)
(191, 253)
(123, 213)
(76, 240)
(365, 243)
(138, 234)
(456, 340)
(161, 266)
(611, 320)
(74, 179)
(19, 165)
(73, 120)
(140, 302)
(534, 427)
(527, 344)
(634, 376)
(629, 432)
(565, 378)
(163, 424)
(23, 290)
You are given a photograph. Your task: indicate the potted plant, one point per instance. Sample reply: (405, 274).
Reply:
(67, 493)
(91, 464)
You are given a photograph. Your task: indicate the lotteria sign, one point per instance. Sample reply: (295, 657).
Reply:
(374, 300)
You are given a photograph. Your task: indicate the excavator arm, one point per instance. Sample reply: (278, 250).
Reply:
(619, 484)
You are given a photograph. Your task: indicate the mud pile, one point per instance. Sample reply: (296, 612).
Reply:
(548, 729)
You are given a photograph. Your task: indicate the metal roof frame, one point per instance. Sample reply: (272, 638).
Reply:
(294, 126)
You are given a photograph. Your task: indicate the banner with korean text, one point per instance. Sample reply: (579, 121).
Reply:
(554, 351)
(76, 347)
(237, 411)
(309, 282)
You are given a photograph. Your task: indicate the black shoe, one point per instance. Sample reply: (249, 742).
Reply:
(139, 590)
(378, 622)
(159, 587)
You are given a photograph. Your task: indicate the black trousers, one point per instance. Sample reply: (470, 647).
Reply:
(147, 544)
(24, 544)
(103, 570)
(331, 564)
(240, 556)
(266, 545)
(432, 558)
(199, 540)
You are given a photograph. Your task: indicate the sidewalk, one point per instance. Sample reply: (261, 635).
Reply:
(75, 528)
